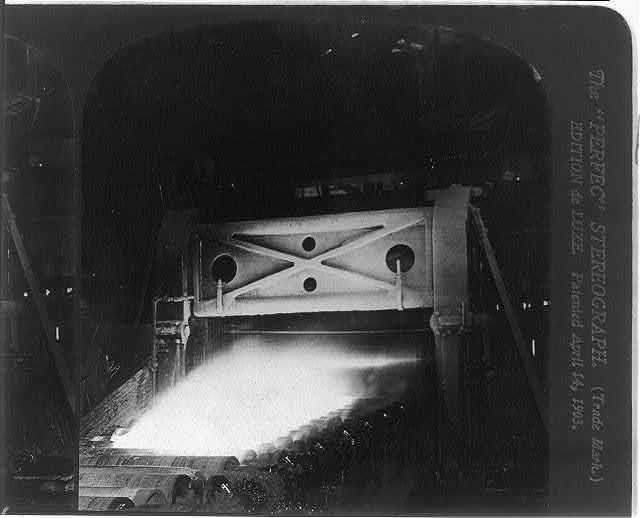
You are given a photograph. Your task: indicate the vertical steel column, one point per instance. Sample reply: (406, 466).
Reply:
(154, 351)
(197, 254)
(186, 310)
(4, 349)
(450, 303)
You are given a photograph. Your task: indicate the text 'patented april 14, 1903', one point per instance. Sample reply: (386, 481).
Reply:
(588, 349)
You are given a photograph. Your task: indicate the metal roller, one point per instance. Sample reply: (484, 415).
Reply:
(334, 419)
(296, 435)
(220, 497)
(309, 433)
(218, 483)
(139, 496)
(188, 495)
(298, 447)
(249, 457)
(171, 485)
(277, 457)
(264, 460)
(344, 412)
(349, 424)
(206, 465)
(260, 491)
(272, 459)
(87, 472)
(283, 443)
(104, 504)
(319, 424)
(332, 428)
(266, 447)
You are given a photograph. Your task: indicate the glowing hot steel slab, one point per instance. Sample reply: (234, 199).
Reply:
(254, 394)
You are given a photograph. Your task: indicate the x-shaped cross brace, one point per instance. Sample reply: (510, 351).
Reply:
(316, 263)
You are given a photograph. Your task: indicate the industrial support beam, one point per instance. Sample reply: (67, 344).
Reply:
(66, 376)
(179, 365)
(448, 321)
(535, 384)
(310, 264)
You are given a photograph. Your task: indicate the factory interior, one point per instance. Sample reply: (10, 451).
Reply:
(273, 263)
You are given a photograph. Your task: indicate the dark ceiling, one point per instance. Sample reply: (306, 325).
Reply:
(220, 114)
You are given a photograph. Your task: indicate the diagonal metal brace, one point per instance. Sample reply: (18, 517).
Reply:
(66, 376)
(535, 383)
(317, 263)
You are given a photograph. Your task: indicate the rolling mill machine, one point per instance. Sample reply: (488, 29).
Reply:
(380, 281)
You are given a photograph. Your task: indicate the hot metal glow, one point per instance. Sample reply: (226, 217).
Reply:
(252, 395)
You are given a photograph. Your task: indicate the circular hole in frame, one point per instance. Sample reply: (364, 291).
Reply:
(402, 253)
(310, 284)
(224, 267)
(308, 244)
